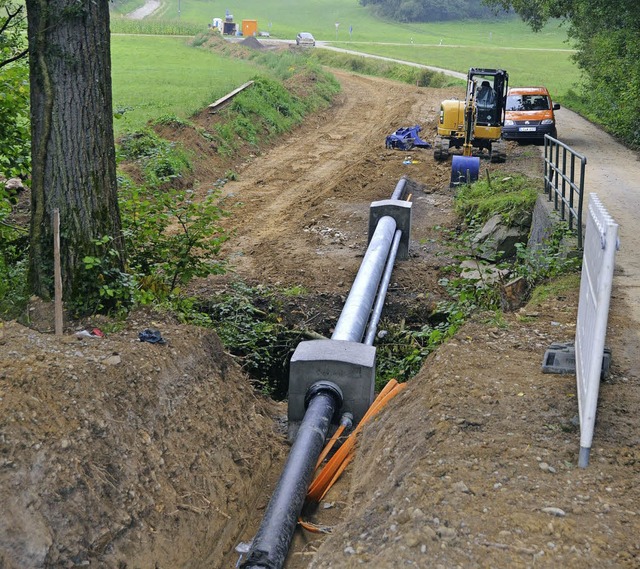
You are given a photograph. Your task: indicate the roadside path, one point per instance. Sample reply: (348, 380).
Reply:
(613, 172)
(147, 9)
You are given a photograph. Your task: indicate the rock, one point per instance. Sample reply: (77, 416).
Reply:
(14, 185)
(482, 272)
(555, 512)
(461, 487)
(497, 241)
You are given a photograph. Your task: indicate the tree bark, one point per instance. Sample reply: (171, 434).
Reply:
(73, 154)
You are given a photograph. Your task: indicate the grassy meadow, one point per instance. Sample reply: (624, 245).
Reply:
(524, 65)
(154, 76)
(158, 76)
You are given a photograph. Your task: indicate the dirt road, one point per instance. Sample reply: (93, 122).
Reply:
(144, 11)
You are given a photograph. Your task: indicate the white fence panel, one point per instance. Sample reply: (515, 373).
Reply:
(600, 245)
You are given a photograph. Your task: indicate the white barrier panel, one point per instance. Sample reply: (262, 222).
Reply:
(600, 245)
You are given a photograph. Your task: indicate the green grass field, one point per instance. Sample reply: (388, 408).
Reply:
(163, 75)
(156, 76)
(284, 18)
(554, 69)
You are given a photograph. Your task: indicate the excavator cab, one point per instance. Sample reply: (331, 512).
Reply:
(473, 124)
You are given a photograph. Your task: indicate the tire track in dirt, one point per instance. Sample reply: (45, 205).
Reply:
(284, 199)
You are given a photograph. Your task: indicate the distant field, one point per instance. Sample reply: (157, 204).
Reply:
(155, 76)
(285, 18)
(162, 75)
(554, 69)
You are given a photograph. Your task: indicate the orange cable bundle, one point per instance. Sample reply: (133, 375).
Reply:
(339, 461)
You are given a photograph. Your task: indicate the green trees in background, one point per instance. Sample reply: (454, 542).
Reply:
(429, 10)
(605, 33)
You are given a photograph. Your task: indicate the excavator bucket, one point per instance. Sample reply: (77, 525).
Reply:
(464, 170)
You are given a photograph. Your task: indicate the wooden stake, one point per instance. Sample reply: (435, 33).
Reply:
(57, 273)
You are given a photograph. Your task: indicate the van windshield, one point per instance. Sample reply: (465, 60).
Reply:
(528, 103)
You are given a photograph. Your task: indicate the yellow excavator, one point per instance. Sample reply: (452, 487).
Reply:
(475, 123)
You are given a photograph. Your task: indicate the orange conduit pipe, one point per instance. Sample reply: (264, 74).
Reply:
(339, 461)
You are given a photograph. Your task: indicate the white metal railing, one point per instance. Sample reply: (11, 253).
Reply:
(600, 246)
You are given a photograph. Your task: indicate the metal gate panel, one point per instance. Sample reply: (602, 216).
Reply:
(600, 245)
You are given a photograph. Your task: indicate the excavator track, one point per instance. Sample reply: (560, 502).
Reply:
(498, 152)
(440, 148)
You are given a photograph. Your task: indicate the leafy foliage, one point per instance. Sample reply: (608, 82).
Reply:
(13, 260)
(401, 351)
(247, 320)
(551, 260)
(428, 10)
(12, 31)
(160, 160)
(170, 238)
(15, 135)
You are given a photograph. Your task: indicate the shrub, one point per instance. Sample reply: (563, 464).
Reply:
(15, 130)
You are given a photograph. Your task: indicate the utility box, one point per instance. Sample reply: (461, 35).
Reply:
(249, 27)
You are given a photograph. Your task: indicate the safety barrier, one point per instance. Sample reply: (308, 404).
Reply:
(601, 243)
(563, 184)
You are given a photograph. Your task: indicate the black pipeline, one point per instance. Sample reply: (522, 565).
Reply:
(271, 544)
(389, 223)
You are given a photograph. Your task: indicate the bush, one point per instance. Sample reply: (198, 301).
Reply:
(159, 160)
(15, 130)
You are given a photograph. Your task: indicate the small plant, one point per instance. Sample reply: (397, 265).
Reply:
(512, 196)
(140, 144)
(107, 289)
(170, 236)
(14, 247)
(296, 290)
(160, 160)
(249, 323)
(15, 133)
(400, 352)
(173, 121)
(550, 260)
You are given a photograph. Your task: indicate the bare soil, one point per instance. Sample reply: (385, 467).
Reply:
(117, 453)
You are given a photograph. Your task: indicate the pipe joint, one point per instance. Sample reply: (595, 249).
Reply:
(327, 387)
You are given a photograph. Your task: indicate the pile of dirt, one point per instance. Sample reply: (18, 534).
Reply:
(113, 449)
(252, 42)
(119, 453)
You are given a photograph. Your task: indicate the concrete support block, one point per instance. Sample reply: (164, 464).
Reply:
(401, 212)
(350, 365)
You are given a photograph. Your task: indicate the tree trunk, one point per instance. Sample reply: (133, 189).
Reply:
(73, 154)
